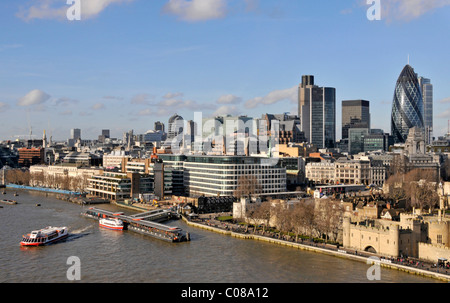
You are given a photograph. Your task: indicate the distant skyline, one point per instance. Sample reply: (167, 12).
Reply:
(129, 63)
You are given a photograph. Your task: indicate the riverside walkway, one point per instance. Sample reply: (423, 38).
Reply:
(407, 265)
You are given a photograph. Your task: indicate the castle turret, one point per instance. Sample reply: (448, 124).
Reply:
(346, 231)
(394, 239)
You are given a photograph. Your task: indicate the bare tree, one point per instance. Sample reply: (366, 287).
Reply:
(263, 212)
(329, 217)
(282, 217)
(247, 186)
(397, 190)
(302, 218)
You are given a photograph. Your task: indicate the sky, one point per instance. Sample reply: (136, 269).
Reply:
(128, 63)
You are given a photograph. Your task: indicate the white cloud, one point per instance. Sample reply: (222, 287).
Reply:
(98, 106)
(113, 98)
(409, 9)
(226, 110)
(142, 99)
(34, 97)
(229, 99)
(54, 9)
(290, 94)
(196, 10)
(444, 115)
(3, 107)
(64, 101)
(172, 95)
(445, 100)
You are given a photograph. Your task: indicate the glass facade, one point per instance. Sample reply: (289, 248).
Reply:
(427, 95)
(407, 107)
(317, 112)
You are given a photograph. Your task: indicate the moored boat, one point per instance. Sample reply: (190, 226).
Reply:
(44, 236)
(111, 223)
(6, 201)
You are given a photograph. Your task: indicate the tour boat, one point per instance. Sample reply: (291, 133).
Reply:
(111, 223)
(44, 236)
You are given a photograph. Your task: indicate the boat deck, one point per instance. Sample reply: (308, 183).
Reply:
(143, 223)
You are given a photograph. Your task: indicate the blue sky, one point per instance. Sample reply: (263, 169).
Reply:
(129, 63)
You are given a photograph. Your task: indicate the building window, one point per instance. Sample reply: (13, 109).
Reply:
(439, 239)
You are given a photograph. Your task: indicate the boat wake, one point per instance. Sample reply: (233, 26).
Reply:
(78, 233)
(82, 230)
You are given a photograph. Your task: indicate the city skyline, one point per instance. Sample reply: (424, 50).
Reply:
(128, 64)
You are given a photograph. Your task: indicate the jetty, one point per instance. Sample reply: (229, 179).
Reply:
(144, 223)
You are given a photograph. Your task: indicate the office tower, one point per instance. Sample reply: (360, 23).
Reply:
(407, 105)
(159, 126)
(75, 133)
(176, 124)
(356, 139)
(355, 114)
(317, 112)
(106, 133)
(427, 96)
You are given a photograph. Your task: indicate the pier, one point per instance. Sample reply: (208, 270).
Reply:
(143, 223)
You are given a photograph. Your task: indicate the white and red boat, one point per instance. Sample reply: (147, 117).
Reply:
(111, 223)
(44, 236)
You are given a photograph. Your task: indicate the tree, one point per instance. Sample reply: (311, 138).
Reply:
(396, 187)
(421, 189)
(247, 185)
(302, 218)
(282, 217)
(263, 212)
(329, 217)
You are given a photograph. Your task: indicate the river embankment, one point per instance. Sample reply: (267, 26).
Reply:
(419, 268)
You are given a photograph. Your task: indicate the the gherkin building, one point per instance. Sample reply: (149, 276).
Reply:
(407, 107)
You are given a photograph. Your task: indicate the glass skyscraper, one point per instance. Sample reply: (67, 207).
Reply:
(427, 95)
(407, 106)
(317, 112)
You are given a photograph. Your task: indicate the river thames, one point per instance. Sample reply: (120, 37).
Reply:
(124, 256)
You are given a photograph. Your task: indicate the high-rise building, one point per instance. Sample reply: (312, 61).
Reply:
(407, 105)
(75, 133)
(159, 126)
(317, 112)
(176, 124)
(427, 96)
(355, 114)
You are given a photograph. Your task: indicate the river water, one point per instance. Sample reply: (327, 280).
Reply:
(125, 256)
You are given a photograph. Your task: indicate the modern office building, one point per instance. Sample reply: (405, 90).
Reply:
(220, 175)
(407, 105)
(119, 186)
(355, 114)
(356, 140)
(31, 156)
(317, 112)
(176, 125)
(75, 133)
(159, 126)
(427, 96)
(377, 141)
